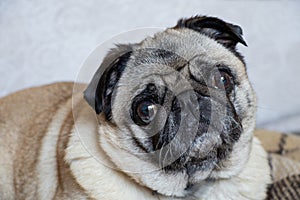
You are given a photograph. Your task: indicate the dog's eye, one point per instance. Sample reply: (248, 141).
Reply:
(222, 80)
(146, 110)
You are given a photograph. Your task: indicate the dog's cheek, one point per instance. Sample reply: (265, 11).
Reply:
(244, 103)
(243, 100)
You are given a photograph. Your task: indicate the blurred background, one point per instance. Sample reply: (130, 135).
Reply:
(47, 41)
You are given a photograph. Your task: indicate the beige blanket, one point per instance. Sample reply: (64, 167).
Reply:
(284, 160)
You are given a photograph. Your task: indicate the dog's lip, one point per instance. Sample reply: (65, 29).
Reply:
(203, 145)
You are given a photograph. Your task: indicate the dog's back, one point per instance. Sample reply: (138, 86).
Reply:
(24, 120)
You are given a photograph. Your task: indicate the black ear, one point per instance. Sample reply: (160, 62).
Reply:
(99, 92)
(225, 33)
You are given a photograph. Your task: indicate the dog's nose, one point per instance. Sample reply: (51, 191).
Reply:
(191, 103)
(204, 103)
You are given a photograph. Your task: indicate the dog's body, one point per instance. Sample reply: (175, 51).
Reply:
(54, 147)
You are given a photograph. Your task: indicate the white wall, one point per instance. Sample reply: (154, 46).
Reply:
(47, 41)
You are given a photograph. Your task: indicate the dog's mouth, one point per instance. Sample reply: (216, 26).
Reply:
(205, 152)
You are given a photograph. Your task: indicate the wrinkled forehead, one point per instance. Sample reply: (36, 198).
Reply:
(170, 51)
(187, 44)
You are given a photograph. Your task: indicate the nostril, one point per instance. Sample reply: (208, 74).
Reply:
(204, 104)
(175, 105)
(204, 119)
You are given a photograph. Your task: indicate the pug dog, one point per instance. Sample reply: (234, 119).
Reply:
(171, 117)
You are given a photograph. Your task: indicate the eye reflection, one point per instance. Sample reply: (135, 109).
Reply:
(146, 111)
(222, 80)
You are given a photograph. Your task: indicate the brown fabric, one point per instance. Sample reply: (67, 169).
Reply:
(284, 161)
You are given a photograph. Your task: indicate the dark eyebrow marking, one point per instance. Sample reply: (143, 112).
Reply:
(192, 77)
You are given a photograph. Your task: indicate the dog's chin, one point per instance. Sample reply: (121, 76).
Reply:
(200, 156)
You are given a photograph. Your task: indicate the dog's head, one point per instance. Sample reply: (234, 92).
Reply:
(176, 109)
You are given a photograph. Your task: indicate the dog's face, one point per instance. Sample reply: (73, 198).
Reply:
(177, 109)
